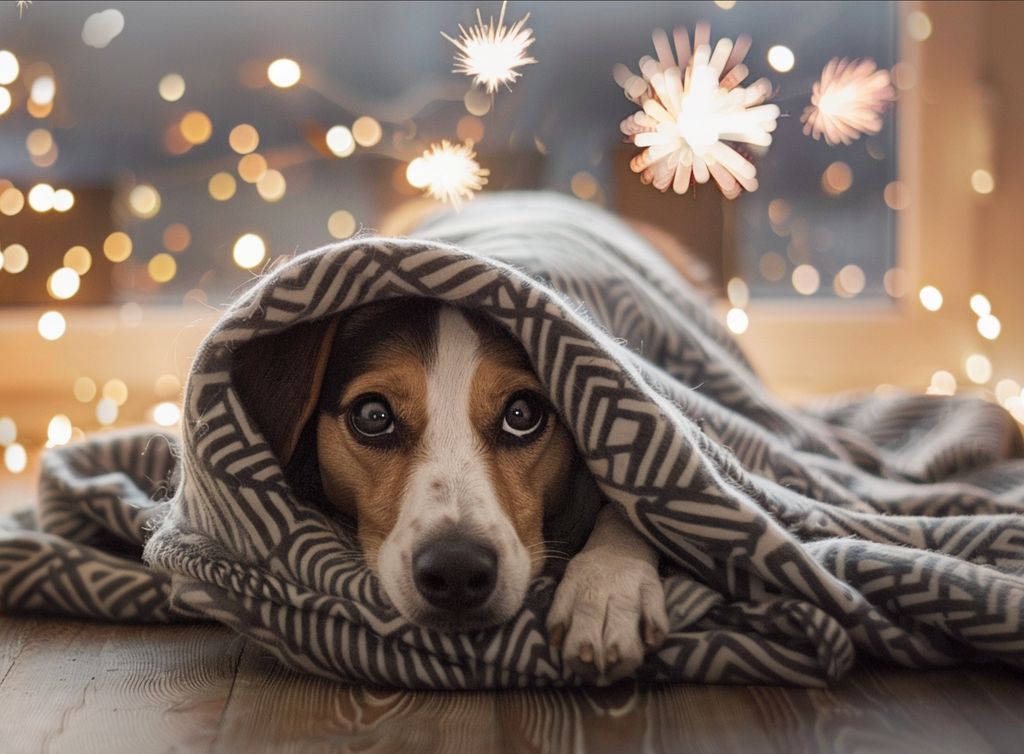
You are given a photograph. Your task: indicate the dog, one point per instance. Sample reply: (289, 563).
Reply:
(425, 425)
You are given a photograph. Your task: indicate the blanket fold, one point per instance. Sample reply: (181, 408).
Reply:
(792, 540)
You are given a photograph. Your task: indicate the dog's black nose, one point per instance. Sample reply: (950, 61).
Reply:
(454, 573)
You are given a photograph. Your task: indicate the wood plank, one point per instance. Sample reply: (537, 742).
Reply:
(273, 709)
(85, 687)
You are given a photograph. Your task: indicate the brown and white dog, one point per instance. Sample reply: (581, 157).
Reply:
(426, 425)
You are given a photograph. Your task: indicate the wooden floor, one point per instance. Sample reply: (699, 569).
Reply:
(69, 686)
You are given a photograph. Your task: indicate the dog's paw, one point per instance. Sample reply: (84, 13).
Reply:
(608, 611)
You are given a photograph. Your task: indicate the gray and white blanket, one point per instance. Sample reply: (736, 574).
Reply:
(792, 540)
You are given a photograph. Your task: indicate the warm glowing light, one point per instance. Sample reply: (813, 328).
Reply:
(171, 87)
(738, 292)
(100, 29)
(222, 186)
(837, 178)
(116, 391)
(166, 414)
(737, 320)
(896, 195)
(196, 127)
(5, 100)
(284, 73)
(781, 58)
(43, 90)
(943, 383)
(919, 26)
(8, 430)
(692, 105)
(63, 284)
(806, 279)
(58, 432)
(9, 67)
(448, 172)
(40, 197)
(167, 386)
(106, 412)
(341, 224)
(117, 247)
(51, 325)
(491, 53)
(584, 185)
(477, 101)
(989, 326)
(15, 258)
(726, 4)
(978, 368)
(848, 101)
(63, 200)
(144, 201)
(15, 458)
(980, 304)
(84, 389)
(982, 181)
(850, 281)
(271, 186)
(244, 138)
(931, 298)
(252, 167)
(12, 201)
(340, 141)
(176, 237)
(366, 131)
(39, 141)
(162, 267)
(249, 251)
(1006, 389)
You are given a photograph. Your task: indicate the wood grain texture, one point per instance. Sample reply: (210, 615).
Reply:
(82, 687)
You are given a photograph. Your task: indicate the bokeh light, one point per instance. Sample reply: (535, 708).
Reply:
(244, 138)
(978, 368)
(162, 267)
(271, 186)
(284, 73)
(583, 185)
(737, 321)
(15, 258)
(340, 141)
(5, 100)
(166, 414)
(58, 432)
(943, 383)
(177, 237)
(738, 292)
(781, 58)
(106, 412)
(982, 182)
(40, 197)
(989, 326)
(63, 200)
(171, 87)
(366, 131)
(116, 390)
(144, 201)
(222, 186)
(117, 247)
(63, 284)
(837, 178)
(84, 389)
(980, 304)
(196, 127)
(78, 259)
(931, 298)
(919, 25)
(12, 201)
(39, 141)
(849, 281)
(896, 195)
(249, 251)
(43, 90)
(806, 279)
(15, 458)
(252, 167)
(896, 282)
(9, 68)
(51, 325)
(341, 224)
(8, 430)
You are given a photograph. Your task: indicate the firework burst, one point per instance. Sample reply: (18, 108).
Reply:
(448, 172)
(848, 101)
(491, 53)
(692, 104)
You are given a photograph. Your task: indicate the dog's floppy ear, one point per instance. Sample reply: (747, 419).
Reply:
(570, 524)
(279, 377)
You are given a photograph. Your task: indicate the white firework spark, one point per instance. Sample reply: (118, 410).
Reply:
(448, 172)
(22, 4)
(848, 101)
(491, 54)
(692, 104)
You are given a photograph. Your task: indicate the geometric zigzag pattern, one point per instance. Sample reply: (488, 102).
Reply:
(791, 541)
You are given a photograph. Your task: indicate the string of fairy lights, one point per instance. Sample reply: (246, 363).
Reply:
(694, 109)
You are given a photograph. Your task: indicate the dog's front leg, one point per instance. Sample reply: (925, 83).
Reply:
(609, 608)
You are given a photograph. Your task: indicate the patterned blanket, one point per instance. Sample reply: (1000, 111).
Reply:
(792, 540)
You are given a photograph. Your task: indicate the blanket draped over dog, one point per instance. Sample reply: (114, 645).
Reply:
(791, 540)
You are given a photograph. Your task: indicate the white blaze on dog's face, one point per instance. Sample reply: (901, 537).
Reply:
(434, 435)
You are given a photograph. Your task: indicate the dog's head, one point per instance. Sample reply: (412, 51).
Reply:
(426, 425)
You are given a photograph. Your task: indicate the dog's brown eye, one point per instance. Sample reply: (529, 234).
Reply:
(371, 416)
(524, 415)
